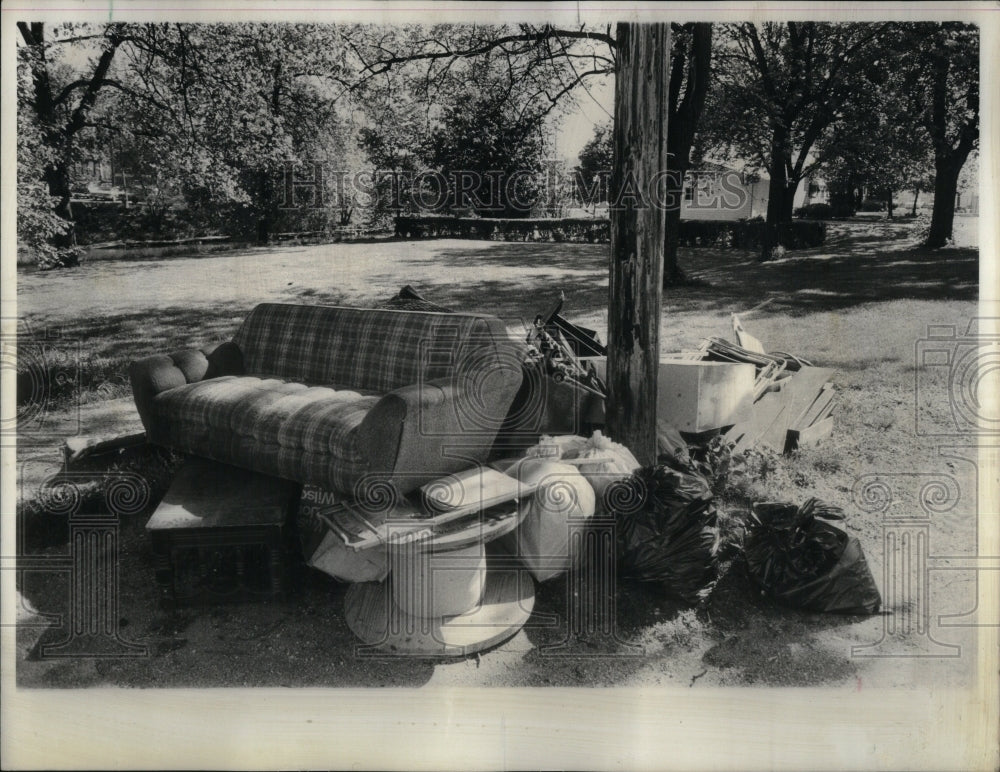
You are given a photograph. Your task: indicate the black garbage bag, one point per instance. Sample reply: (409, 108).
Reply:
(668, 532)
(797, 557)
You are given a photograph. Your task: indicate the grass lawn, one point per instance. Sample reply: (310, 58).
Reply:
(860, 304)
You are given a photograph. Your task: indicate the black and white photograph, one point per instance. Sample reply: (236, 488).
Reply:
(440, 386)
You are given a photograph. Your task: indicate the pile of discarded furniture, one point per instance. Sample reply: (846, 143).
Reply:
(429, 458)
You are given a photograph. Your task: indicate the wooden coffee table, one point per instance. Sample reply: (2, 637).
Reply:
(214, 513)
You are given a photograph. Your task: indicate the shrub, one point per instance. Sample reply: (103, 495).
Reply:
(815, 211)
(872, 205)
(803, 234)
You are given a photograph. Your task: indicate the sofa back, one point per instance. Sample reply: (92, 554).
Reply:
(372, 349)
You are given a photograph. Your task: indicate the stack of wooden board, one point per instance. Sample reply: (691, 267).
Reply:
(796, 411)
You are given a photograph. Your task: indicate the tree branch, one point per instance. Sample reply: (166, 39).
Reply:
(384, 64)
(79, 115)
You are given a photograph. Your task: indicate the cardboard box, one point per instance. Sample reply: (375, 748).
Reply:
(697, 396)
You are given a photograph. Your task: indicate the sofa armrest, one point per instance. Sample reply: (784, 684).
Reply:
(155, 374)
(423, 431)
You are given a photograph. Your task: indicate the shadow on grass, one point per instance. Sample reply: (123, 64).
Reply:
(767, 644)
(860, 263)
(300, 642)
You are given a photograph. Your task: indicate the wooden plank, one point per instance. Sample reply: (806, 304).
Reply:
(361, 529)
(810, 436)
(77, 449)
(765, 412)
(638, 235)
(826, 412)
(468, 491)
(796, 395)
(745, 339)
(812, 413)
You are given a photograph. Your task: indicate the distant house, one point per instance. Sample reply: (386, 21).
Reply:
(812, 190)
(716, 192)
(97, 178)
(92, 170)
(967, 202)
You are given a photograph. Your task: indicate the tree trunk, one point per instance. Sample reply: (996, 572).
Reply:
(60, 135)
(776, 191)
(945, 188)
(265, 185)
(638, 236)
(673, 275)
(776, 196)
(788, 202)
(683, 116)
(57, 179)
(264, 204)
(889, 205)
(916, 195)
(948, 158)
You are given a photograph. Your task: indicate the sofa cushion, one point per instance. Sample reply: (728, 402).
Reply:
(293, 430)
(370, 349)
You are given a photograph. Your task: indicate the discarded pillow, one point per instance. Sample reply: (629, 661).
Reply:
(561, 495)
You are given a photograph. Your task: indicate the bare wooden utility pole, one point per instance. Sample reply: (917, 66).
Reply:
(638, 228)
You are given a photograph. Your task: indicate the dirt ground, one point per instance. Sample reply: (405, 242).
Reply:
(900, 462)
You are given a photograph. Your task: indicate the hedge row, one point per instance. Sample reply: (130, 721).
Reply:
(739, 234)
(102, 221)
(576, 229)
(749, 234)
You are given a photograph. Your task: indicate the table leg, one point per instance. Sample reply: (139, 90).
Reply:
(164, 572)
(277, 568)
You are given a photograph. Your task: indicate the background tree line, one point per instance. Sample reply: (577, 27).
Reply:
(877, 107)
(206, 118)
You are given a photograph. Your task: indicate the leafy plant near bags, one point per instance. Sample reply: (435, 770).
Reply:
(711, 459)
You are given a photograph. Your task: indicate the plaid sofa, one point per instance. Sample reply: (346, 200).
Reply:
(337, 397)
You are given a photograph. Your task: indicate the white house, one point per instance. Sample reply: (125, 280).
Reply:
(716, 192)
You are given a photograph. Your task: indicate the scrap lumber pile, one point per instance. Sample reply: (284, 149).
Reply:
(793, 401)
